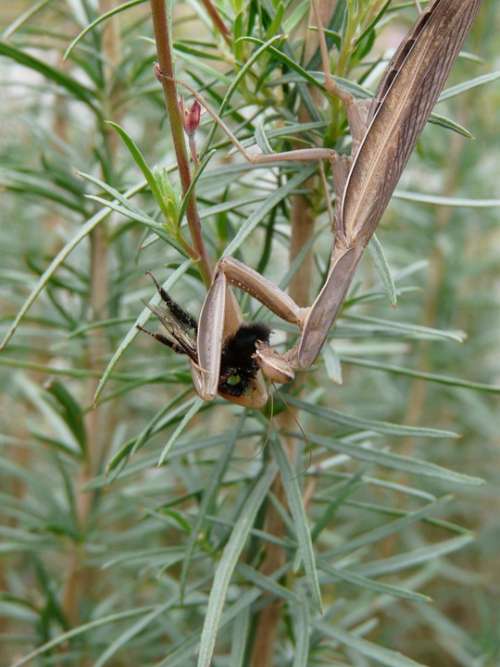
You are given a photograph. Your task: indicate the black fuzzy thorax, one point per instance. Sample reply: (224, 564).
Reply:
(238, 367)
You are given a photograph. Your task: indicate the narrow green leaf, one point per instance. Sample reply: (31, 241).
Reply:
(267, 583)
(385, 428)
(182, 655)
(395, 461)
(301, 627)
(381, 532)
(325, 519)
(386, 484)
(124, 637)
(47, 370)
(431, 377)
(227, 563)
(241, 628)
(294, 498)
(295, 16)
(62, 434)
(98, 20)
(23, 18)
(261, 138)
(232, 205)
(332, 364)
(138, 214)
(449, 124)
(160, 231)
(385, 510)
(410, 329)
(383, 269)
(415, 557)
(138, 158)
(439, 200)
(81, 630)
(237, 79)
(382, 655)
(365, 583)
(39, 186)
(72, 86)
(166, 414)
(463, 87)
(305, 75)
(197, 404)
(72, 412)
(58, 260)
(373, 23)
(208, 496)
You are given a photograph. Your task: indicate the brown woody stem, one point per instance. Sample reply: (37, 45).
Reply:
(99, 424)
(302, 230)
(164, 54)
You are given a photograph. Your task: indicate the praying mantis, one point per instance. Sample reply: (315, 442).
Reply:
(384, 132)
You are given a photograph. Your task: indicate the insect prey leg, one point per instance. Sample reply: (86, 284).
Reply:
(179, 313)
(162, 339)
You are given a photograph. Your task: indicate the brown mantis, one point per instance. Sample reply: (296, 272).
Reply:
(384, 132)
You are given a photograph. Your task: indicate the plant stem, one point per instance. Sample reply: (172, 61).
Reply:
(164, 54)
(302, 231)
(98, 423)
(216, 20)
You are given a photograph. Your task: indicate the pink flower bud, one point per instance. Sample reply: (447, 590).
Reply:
(191, 118)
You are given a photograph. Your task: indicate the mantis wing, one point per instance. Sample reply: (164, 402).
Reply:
(411, 86)
(407, 94)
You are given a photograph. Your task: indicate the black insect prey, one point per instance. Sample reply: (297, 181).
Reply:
(237, 368)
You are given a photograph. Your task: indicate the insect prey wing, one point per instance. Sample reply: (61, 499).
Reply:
(179, 314)
(175, 330)
(408, 92)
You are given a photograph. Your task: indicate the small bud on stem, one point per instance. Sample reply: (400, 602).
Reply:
(191, 122)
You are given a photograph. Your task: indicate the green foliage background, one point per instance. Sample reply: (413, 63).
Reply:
(107, 557)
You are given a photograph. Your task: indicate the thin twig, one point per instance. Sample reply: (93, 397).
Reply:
(323, 47)
(298, 155)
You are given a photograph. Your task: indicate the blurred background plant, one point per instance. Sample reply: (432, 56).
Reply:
(129, 525)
